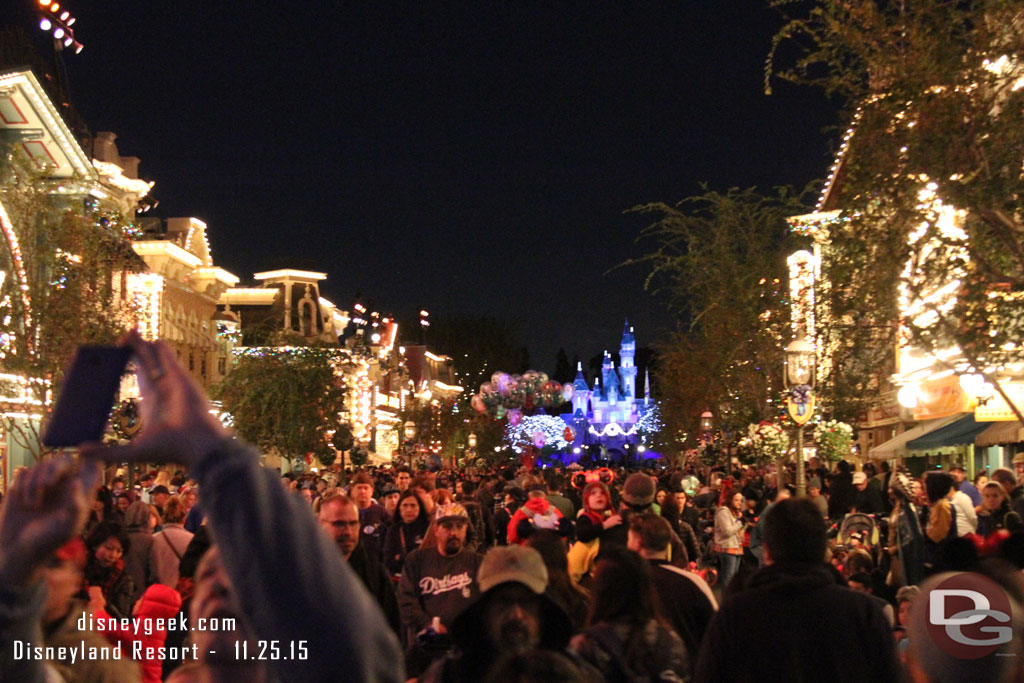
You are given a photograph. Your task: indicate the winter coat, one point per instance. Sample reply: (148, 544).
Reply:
(158, 602)
(795, 623)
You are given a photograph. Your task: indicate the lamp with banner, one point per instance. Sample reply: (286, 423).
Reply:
(799, 381)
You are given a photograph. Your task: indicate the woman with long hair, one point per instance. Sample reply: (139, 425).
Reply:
(406, 532)
(626, 639)
(729, 528)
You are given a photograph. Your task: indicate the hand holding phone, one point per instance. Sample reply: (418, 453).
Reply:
(87, 396)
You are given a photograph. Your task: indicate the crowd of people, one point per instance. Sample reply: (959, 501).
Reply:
(507, 573)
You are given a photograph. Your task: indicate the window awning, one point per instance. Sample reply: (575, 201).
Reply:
(898, 444)
(1000, 433)
(962, 431)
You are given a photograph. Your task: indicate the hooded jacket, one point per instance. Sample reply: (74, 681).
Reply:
(158, 602)
(795, 623)
(136, 558)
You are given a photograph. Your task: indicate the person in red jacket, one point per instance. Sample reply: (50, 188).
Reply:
(158, 602)
(536, 513)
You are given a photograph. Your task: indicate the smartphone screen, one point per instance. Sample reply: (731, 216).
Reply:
(87, 396)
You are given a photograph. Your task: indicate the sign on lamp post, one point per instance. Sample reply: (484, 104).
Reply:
(799, 379)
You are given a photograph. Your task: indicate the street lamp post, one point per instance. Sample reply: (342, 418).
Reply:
(799, 379)
(409, 430)
(471, 442)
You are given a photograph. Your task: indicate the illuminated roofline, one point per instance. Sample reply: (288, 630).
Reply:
(218, 274)
(289, 273)
(165, 248)
(33, 91)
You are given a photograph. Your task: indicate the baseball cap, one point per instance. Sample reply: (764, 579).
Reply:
(859, 477)
(517, 563)
(450, 511)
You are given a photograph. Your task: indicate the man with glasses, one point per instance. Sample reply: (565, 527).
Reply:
(339, 517)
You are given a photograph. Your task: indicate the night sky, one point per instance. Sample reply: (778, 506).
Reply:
(459, 157)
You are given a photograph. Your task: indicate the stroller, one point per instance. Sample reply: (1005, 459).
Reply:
(859, 529)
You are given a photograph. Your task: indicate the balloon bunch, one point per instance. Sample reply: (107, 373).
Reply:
(514, 396)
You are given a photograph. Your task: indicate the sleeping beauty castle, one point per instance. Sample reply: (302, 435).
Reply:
(609, 421)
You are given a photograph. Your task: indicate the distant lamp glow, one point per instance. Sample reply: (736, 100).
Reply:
(72, 21)
(45, 25)
(67, 41)
(576, 450)
(641, 449)
(65, 15)
(58, 33)
(974, 384)
(44, 3)
(800, 362)
(471, 440)
(907, 396)
(78, 47)
(375, 338)
(54, 7)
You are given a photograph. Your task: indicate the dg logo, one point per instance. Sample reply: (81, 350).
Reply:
(969, 616)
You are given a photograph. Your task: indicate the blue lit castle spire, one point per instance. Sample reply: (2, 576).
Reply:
(606, 418)
(627, 352)
(582, 396)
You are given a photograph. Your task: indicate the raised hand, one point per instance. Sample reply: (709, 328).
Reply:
(46, 506)
(177, 425)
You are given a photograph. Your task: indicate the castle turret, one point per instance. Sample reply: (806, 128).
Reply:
(582, 395)
(627, 352)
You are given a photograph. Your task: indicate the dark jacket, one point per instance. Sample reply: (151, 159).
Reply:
(376, 579)
(116, 582)
(401, 540)
(795, 623)
(683, 604)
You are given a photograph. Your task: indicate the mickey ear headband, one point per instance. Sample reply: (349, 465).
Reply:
(604, 474)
